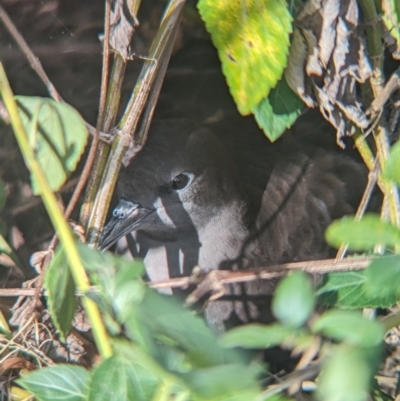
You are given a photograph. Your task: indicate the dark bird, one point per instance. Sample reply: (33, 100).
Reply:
(227, 198)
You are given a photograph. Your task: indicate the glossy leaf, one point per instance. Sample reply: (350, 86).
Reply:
(348, 290)
(278, 111)
(294, 300)
(57, 383)
(61, 298)
(362, 235)
(252, 38)
(349, 326)
(58, 135)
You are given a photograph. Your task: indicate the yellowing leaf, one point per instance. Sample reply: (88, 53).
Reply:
(252, 38)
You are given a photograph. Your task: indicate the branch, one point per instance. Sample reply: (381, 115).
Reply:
(229, 277)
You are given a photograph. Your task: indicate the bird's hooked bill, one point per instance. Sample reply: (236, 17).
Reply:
(127, 216)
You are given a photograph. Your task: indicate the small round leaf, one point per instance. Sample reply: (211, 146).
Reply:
(294, 300)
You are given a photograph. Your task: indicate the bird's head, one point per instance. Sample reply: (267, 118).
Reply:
(175, 185)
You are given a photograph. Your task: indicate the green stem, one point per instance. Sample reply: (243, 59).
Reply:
(57, 218)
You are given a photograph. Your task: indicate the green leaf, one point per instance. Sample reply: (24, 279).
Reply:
(383, 277)
(119, 287)
(260, 336)
(345, 376)
(161, 321)
(349, 326)
(364, 234)
(60, 285)
(119, 378)
(57, 383)
(252, 38)
(348, 290)
(223, 382)
(392, 165)
(278, 111)
(3, 195)
(294, 299)
(58, 135)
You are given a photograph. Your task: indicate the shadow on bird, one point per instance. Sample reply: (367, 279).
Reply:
(212, 191)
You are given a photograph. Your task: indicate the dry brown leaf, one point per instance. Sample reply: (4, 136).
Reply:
(333, 65)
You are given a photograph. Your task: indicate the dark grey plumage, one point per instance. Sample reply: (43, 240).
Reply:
(247, 202)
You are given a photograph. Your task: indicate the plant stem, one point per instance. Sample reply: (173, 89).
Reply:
(63, 231)
(127, 126)
(375, 51)
(107, 116)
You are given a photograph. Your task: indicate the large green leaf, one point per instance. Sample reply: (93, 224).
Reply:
(252, 38)
(362, 235)
(294, 299)
(176, 327)
(122, 378)
(58, 135)
(118, 281)
(57, 383)
(278, 111)
(349, 326)
(383, 277)
(60, 286)
(348, 290)
(346, 375)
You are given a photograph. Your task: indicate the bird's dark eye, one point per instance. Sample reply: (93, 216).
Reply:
(180, 181)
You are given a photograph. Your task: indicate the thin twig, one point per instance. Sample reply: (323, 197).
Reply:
(107, 122)
(372, 180)
(381, 137)
(36, 65)
(288, 380)
(383, 96)
(229, 277)
(33, 60)
(128, 124)
(103, 94)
